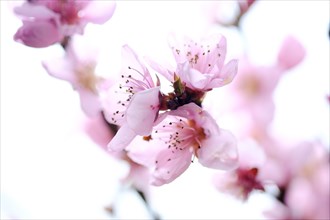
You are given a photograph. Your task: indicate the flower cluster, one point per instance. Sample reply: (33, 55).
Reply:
(175, 122)
(46, 22)
(159, 134)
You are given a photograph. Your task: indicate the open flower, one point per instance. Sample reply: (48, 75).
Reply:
(200, 65)
(133, 103)
(46, 22)
(186, 132)
(78, 68)
(242, 181)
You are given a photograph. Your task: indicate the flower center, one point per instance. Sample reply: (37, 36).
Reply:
(68, 9)
(247, 179)
(181, 134)
(182, 95)
(250, 86)
(87, 78)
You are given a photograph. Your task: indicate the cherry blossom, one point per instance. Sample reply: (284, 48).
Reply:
(77, 67)
(46, 22)
(242, 181)
(200, 65)
(133, 103)
(252, 91)
(305, 193)
(186, 133)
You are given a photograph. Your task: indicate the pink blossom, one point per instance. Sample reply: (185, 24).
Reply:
(78, 68)
(307, 192)
(133, 103)
(200, 65)
(138, 175)
(229, 13)
(46, 22)
(252, 91)
(240, 183)
(186, 132)
(245, 179)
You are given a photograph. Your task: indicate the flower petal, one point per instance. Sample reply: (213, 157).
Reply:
(226, 76)
(122, 139)
(291, 53)
(170, 164)
(192, 77)
(38, 33)
(60, 68)
(98, 12)
(219, 152)
(114, 104)
(89, 102)
(132, 66)
(168, 74)
(142, 111)
(34, 11)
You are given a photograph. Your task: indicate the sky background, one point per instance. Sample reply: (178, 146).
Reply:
(50, 169)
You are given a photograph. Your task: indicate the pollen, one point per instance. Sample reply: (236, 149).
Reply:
(147, 138)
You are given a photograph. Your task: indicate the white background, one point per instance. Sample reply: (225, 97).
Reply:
(51, 170)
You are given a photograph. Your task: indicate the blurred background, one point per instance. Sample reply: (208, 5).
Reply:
(50, 168)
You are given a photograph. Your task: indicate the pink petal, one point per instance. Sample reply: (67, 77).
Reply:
(28, 10)
(202, 118)
(98, 12)
(142, 111)
(89, 102)
(60, 68)
(300, 197)
(80, 51)
(291, 53)
(122, 139)
(189, 111)
(38, 33)
(113, 109)
(170, 164)
(229, 71)
(219, 152)
(168, 74)
(131, 64)
(221, 49)
(144, 152)
(98, 130)
(193, 78)
(226, 76)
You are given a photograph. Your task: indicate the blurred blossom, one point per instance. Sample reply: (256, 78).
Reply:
(245, 179)
(306, 193)
(133, 103)
(252, 91)
(292, 53)
(187, 132)
(229, 13)
(46, 22)
(78, 68)
(138, 175)
(240, 183)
